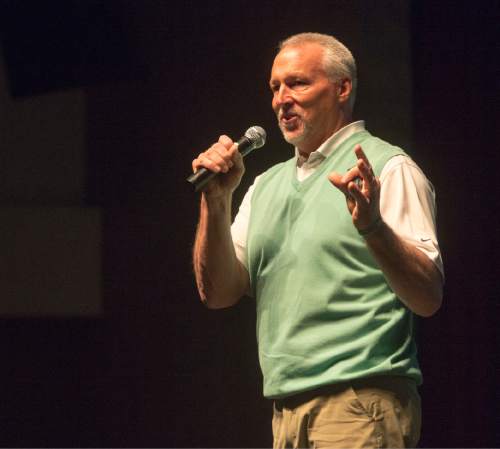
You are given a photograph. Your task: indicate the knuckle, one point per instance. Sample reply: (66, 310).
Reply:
(225, 141)
(216, 146)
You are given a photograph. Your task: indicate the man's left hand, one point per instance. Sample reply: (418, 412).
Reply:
(362, 191)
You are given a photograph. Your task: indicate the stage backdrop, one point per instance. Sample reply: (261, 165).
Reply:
(103, 107)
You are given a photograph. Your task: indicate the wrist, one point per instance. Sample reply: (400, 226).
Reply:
(372, 228)
(216, 203)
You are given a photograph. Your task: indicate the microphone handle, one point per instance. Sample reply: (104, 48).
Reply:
(201, 177)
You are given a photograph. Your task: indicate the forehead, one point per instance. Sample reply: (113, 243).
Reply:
(302, 59)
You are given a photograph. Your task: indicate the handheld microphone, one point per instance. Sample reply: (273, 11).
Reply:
(254, 137)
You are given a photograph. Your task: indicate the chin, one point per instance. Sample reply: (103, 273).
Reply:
(295, 137)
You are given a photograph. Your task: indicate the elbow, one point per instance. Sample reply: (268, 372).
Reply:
(214, 302)
(211, 304)
(430, 295)
(428, 311)
(220, 295)
(431, 303)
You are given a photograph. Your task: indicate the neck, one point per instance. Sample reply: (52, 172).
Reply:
(306, 148)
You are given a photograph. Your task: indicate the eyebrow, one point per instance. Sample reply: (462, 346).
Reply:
(294, 75)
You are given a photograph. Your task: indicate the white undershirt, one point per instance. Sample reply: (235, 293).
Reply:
(407, 199)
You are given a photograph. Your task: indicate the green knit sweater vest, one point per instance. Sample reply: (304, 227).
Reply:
(325, 313)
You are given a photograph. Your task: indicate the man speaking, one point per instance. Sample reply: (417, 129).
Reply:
(338, 247)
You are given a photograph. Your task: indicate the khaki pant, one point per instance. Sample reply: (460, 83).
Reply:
(382, 412)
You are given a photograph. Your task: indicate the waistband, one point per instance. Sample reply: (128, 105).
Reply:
(390, 383)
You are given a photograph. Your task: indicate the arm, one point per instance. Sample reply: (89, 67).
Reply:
(410, 273)
(221, 279)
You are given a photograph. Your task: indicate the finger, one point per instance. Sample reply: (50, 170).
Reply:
(369, 179)
(231, 155)
(226, 142)
(215, 159)
(360, 154)
(360, 199)
(226, 149)
(236, 157)
(220, 155)
(341, 181)
(200, 163)
(350, 175)
(336, 180)
(365, 170)
(195, 164)
(204, 161)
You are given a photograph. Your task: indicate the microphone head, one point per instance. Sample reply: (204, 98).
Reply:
(256, 135)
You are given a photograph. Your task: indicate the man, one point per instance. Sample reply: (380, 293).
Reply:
(338, 247)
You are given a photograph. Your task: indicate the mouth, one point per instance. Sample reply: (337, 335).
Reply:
(289, 120)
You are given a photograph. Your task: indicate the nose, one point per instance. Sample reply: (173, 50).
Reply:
(282, 96)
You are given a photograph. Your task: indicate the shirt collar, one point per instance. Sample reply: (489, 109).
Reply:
(333, 142)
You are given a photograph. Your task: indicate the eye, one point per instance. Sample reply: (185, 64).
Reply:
(299, 84)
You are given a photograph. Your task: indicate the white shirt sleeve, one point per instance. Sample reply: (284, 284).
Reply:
(407, 205)
(239, 228)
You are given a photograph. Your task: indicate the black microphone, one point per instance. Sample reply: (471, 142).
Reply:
(254, 137)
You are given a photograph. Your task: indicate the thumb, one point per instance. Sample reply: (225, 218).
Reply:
(236, 157)
(336, 180)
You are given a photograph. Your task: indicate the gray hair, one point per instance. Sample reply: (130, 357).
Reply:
(338, 60)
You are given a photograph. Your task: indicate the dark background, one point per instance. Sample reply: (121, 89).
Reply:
(162, 79)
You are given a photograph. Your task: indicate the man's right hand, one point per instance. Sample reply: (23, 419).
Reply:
(221, 278)
(224, 158)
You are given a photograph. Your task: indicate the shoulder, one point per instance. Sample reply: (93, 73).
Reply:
(380, 152)
(274, 172)
(277, 168)
(406, 171)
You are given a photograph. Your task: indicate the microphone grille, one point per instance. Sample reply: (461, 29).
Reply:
(257, 135)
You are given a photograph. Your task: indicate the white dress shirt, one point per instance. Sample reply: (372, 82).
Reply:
(407, 199)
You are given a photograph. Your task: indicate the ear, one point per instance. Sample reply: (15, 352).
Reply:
(344, 89)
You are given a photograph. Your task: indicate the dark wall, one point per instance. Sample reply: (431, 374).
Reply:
(157, 369)
(455, 128)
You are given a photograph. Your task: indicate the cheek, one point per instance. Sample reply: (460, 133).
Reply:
(320, 100)
(275, 105)
(311, 103)
(325, 106)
